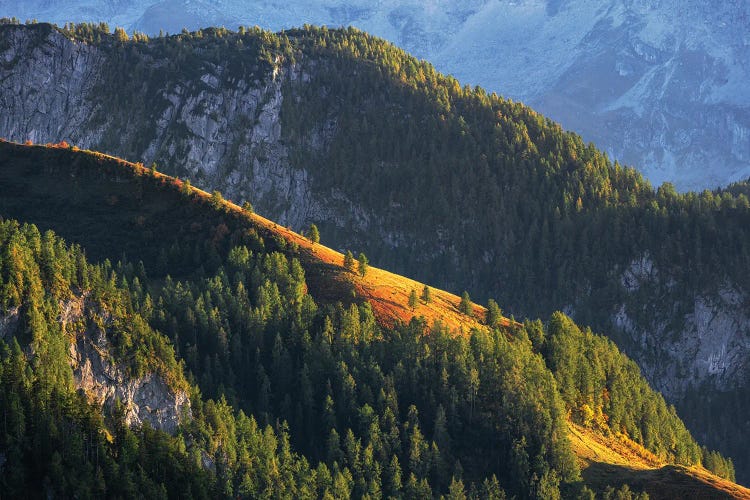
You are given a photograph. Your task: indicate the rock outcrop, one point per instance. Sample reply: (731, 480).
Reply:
(143, 399)
(710, 348)
(659, 85)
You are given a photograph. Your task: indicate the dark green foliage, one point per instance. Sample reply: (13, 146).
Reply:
(217, 200)
(370, 410)
(538, 199)
(311, 358)
(494, 314)
(314, 234)
(426, 295)
(413, 301)
(713, 461)
(624, 493)
(362, 264)
(56, 443)
(465, 306)
(605, 390)
(349, 261)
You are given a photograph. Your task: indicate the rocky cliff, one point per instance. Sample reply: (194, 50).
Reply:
(709, 344)
(659, 85)
(144, 399)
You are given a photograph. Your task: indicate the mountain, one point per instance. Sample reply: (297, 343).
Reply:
(445, 184)
(659, 85)
(254, 315)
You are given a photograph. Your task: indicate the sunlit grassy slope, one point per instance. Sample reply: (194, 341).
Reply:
(115, 208)
(617, 460)
(103, 203)
(388, 293)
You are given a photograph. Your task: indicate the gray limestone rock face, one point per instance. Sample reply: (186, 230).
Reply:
(224, 131)
(712, 346)
(660, 85)
(145, 399)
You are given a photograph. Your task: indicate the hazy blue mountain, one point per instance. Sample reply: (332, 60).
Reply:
(660, 85)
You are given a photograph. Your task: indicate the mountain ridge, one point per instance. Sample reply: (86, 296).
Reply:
(656, 86)
(55, 163)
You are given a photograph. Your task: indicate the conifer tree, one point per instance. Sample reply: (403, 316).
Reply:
(314, 234)
(465, 307)
(413, 300)
(349, 260)
(363, 264)
(121, 35)
(426, 295)
(493, 314)
(217, 200)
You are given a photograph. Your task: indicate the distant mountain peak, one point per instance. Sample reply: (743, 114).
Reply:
(659, 85)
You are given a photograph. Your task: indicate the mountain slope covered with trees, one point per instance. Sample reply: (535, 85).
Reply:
(446, 184)
(310, 396)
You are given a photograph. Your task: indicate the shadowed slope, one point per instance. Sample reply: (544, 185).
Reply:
(111, 206)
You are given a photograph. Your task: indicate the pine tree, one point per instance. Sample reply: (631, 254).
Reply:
(363, 264)
(349, 261)
(392, 478)
(247, 207)
(456, 490)
(494, 314)
(217, 200)
(466, 307)
(426, 295)
(121, 35)
(413, 300)
(314, 234)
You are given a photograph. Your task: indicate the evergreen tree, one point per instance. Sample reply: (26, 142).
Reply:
(426, 295)
(494, 314)
(465, 306)
(413, 302)
(217, 200)
(121, 35)
(314, 234)
(349, 261)
(362, 264)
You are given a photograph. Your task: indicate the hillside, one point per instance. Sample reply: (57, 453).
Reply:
(615, 461)
(448, 185)
(254, 300)
(33, 194)
(659, 85)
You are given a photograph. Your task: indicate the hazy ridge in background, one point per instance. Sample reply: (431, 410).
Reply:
(660, 85)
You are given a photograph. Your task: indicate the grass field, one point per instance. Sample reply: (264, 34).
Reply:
(617, 460)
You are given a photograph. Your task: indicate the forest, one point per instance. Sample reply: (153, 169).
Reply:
(290, 396)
